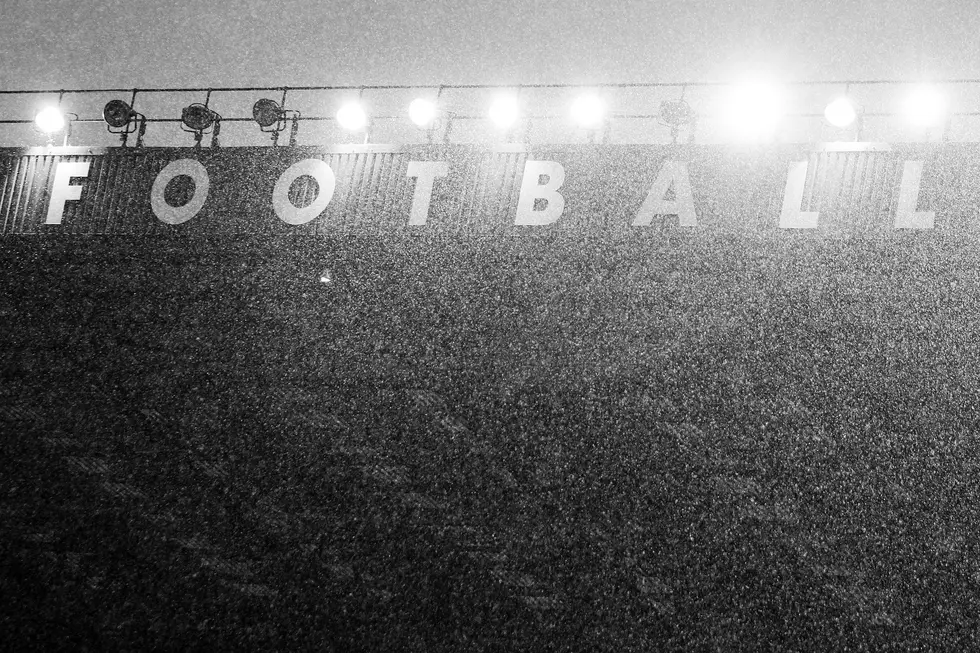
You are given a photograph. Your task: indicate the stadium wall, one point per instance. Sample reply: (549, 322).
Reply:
(844, 188)
(667, 441)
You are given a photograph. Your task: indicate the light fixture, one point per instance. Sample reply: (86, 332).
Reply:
(841, 112)
(422, 112)
(267, 113)
(49, 120)
(198, 118)
(754, 110)
(588, 111)
(352, 116)
(677, 114)
(120, 118)
(504, 111)
(117, 114)
(925, 106)
(271, 118)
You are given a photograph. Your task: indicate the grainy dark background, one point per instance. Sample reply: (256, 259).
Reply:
(671, 442)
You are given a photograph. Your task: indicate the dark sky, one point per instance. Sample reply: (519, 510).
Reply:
(101, 43)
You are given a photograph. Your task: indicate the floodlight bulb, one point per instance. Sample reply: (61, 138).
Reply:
(352, 116)
(588, 111)
(504, 111)
(49, 120)
(422, 112)
(925, 106)
(840, 113)
(755, 109)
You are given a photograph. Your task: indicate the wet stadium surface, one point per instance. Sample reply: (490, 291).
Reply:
(671, 442)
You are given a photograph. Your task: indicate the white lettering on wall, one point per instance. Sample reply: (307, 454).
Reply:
(671, 173)
(906, 216)
(532, 189)
(425, 173)
(63, 190)
(325, 179)
(180, 214)
(792, 217)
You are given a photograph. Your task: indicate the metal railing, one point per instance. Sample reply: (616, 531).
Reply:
(634, 113)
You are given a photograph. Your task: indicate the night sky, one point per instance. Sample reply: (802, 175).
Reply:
(104, 43)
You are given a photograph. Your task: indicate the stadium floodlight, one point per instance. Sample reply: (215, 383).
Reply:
(504, 111)
(271, 118)
(754, 110)
(676, 114)
(49, 120)
(198, 118)
(117, 114)
(588, 111)
(841, 112)
(120, 118)
(422, 112)
(352, 117)
(267, 113)
(925, 106)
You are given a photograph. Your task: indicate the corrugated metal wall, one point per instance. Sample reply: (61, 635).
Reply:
(855, 191)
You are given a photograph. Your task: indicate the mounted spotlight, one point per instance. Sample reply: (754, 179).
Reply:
(117, 114)
(925, 106)
(755, 108)
(841, 112)
(588, 111)
(272, 118)
(268, 113)
(676, 114)
(352, 117)
(504, 111)
(50, 120)
(120, 118)
(197, 119)
(423, 112)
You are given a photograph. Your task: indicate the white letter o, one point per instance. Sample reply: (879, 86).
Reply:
(179, 214)
(325, 179)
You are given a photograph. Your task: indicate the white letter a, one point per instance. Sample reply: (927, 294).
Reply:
(672, 172)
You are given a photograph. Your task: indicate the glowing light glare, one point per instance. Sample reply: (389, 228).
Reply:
(352, 116)
(504, 112)
(49, 120)
(588, 111)
(925, 106)
(422, 112)
(754, 110)
(840, 112)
